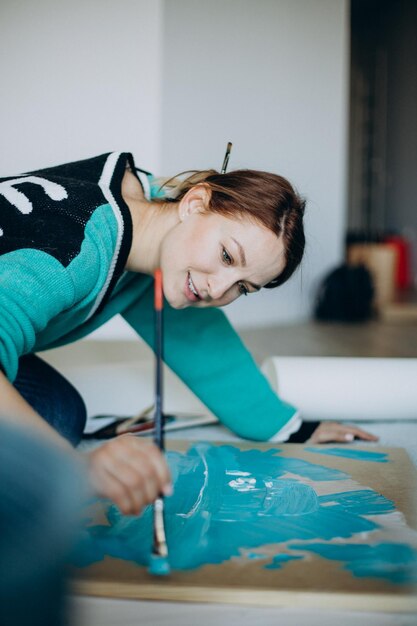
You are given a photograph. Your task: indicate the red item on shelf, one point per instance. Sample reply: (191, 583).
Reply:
(402, 248)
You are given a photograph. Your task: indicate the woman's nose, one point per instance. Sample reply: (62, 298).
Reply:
(219, 285)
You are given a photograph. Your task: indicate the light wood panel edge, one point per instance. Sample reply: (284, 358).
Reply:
(386, 603)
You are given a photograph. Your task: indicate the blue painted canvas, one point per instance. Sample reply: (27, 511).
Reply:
(271, 515)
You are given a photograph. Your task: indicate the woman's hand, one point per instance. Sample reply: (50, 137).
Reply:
(129, 471)
(333, 431)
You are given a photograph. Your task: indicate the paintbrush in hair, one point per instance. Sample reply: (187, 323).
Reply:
(226, 158)
(159, 564)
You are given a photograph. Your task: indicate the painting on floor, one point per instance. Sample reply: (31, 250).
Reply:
(267, 525)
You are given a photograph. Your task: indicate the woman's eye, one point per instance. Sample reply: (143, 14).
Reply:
(243, 291)
(226, 257)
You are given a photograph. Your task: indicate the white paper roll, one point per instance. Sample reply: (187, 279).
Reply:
(334, 388)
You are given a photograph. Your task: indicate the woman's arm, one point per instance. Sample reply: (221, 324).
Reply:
(15, 409)
(208, 355)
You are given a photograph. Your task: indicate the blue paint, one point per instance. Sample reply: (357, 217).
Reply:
(279, 561)
(351, 453)
(361, 502)
(254, 556)
(159, 565)
(394, 562)
(228, 502)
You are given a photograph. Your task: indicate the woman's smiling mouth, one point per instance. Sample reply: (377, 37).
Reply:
(190, 289)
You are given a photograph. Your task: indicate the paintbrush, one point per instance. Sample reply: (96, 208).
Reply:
(159, 564)
(226, 157)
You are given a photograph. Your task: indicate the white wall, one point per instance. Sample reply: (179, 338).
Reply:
(78, 78)
(271, 76)
(173, 81)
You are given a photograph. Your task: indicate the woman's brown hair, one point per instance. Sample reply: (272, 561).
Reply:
(266, 198)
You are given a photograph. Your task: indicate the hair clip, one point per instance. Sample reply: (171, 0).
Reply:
(226, 158)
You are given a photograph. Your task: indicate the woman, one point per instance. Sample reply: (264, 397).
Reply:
(80, 242)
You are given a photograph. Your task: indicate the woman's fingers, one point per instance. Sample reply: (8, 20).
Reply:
(362, 434)
(328, 432)
(133, 495)
(129, 471)
(137, 451)
(108, 485)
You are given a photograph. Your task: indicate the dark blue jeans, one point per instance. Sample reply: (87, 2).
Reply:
(52, 396)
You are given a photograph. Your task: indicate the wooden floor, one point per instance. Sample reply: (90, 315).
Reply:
(373, 339)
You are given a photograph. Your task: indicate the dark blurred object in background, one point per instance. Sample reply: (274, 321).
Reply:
(345, 295)
(387, 256)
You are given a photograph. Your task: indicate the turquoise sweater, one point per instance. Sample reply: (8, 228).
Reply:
(65, 235)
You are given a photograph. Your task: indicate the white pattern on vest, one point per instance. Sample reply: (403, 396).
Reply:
(21, 201)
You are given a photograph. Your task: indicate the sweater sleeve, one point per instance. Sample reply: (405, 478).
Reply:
(34, 288)
(202, 348)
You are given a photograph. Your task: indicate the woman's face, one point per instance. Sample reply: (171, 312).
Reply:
(208, 259)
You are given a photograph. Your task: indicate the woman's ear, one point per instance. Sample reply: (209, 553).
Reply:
(196, 200)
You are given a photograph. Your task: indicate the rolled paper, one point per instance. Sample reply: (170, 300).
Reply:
(336, 388)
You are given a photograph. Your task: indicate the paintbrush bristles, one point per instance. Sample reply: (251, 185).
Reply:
(159, 544)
